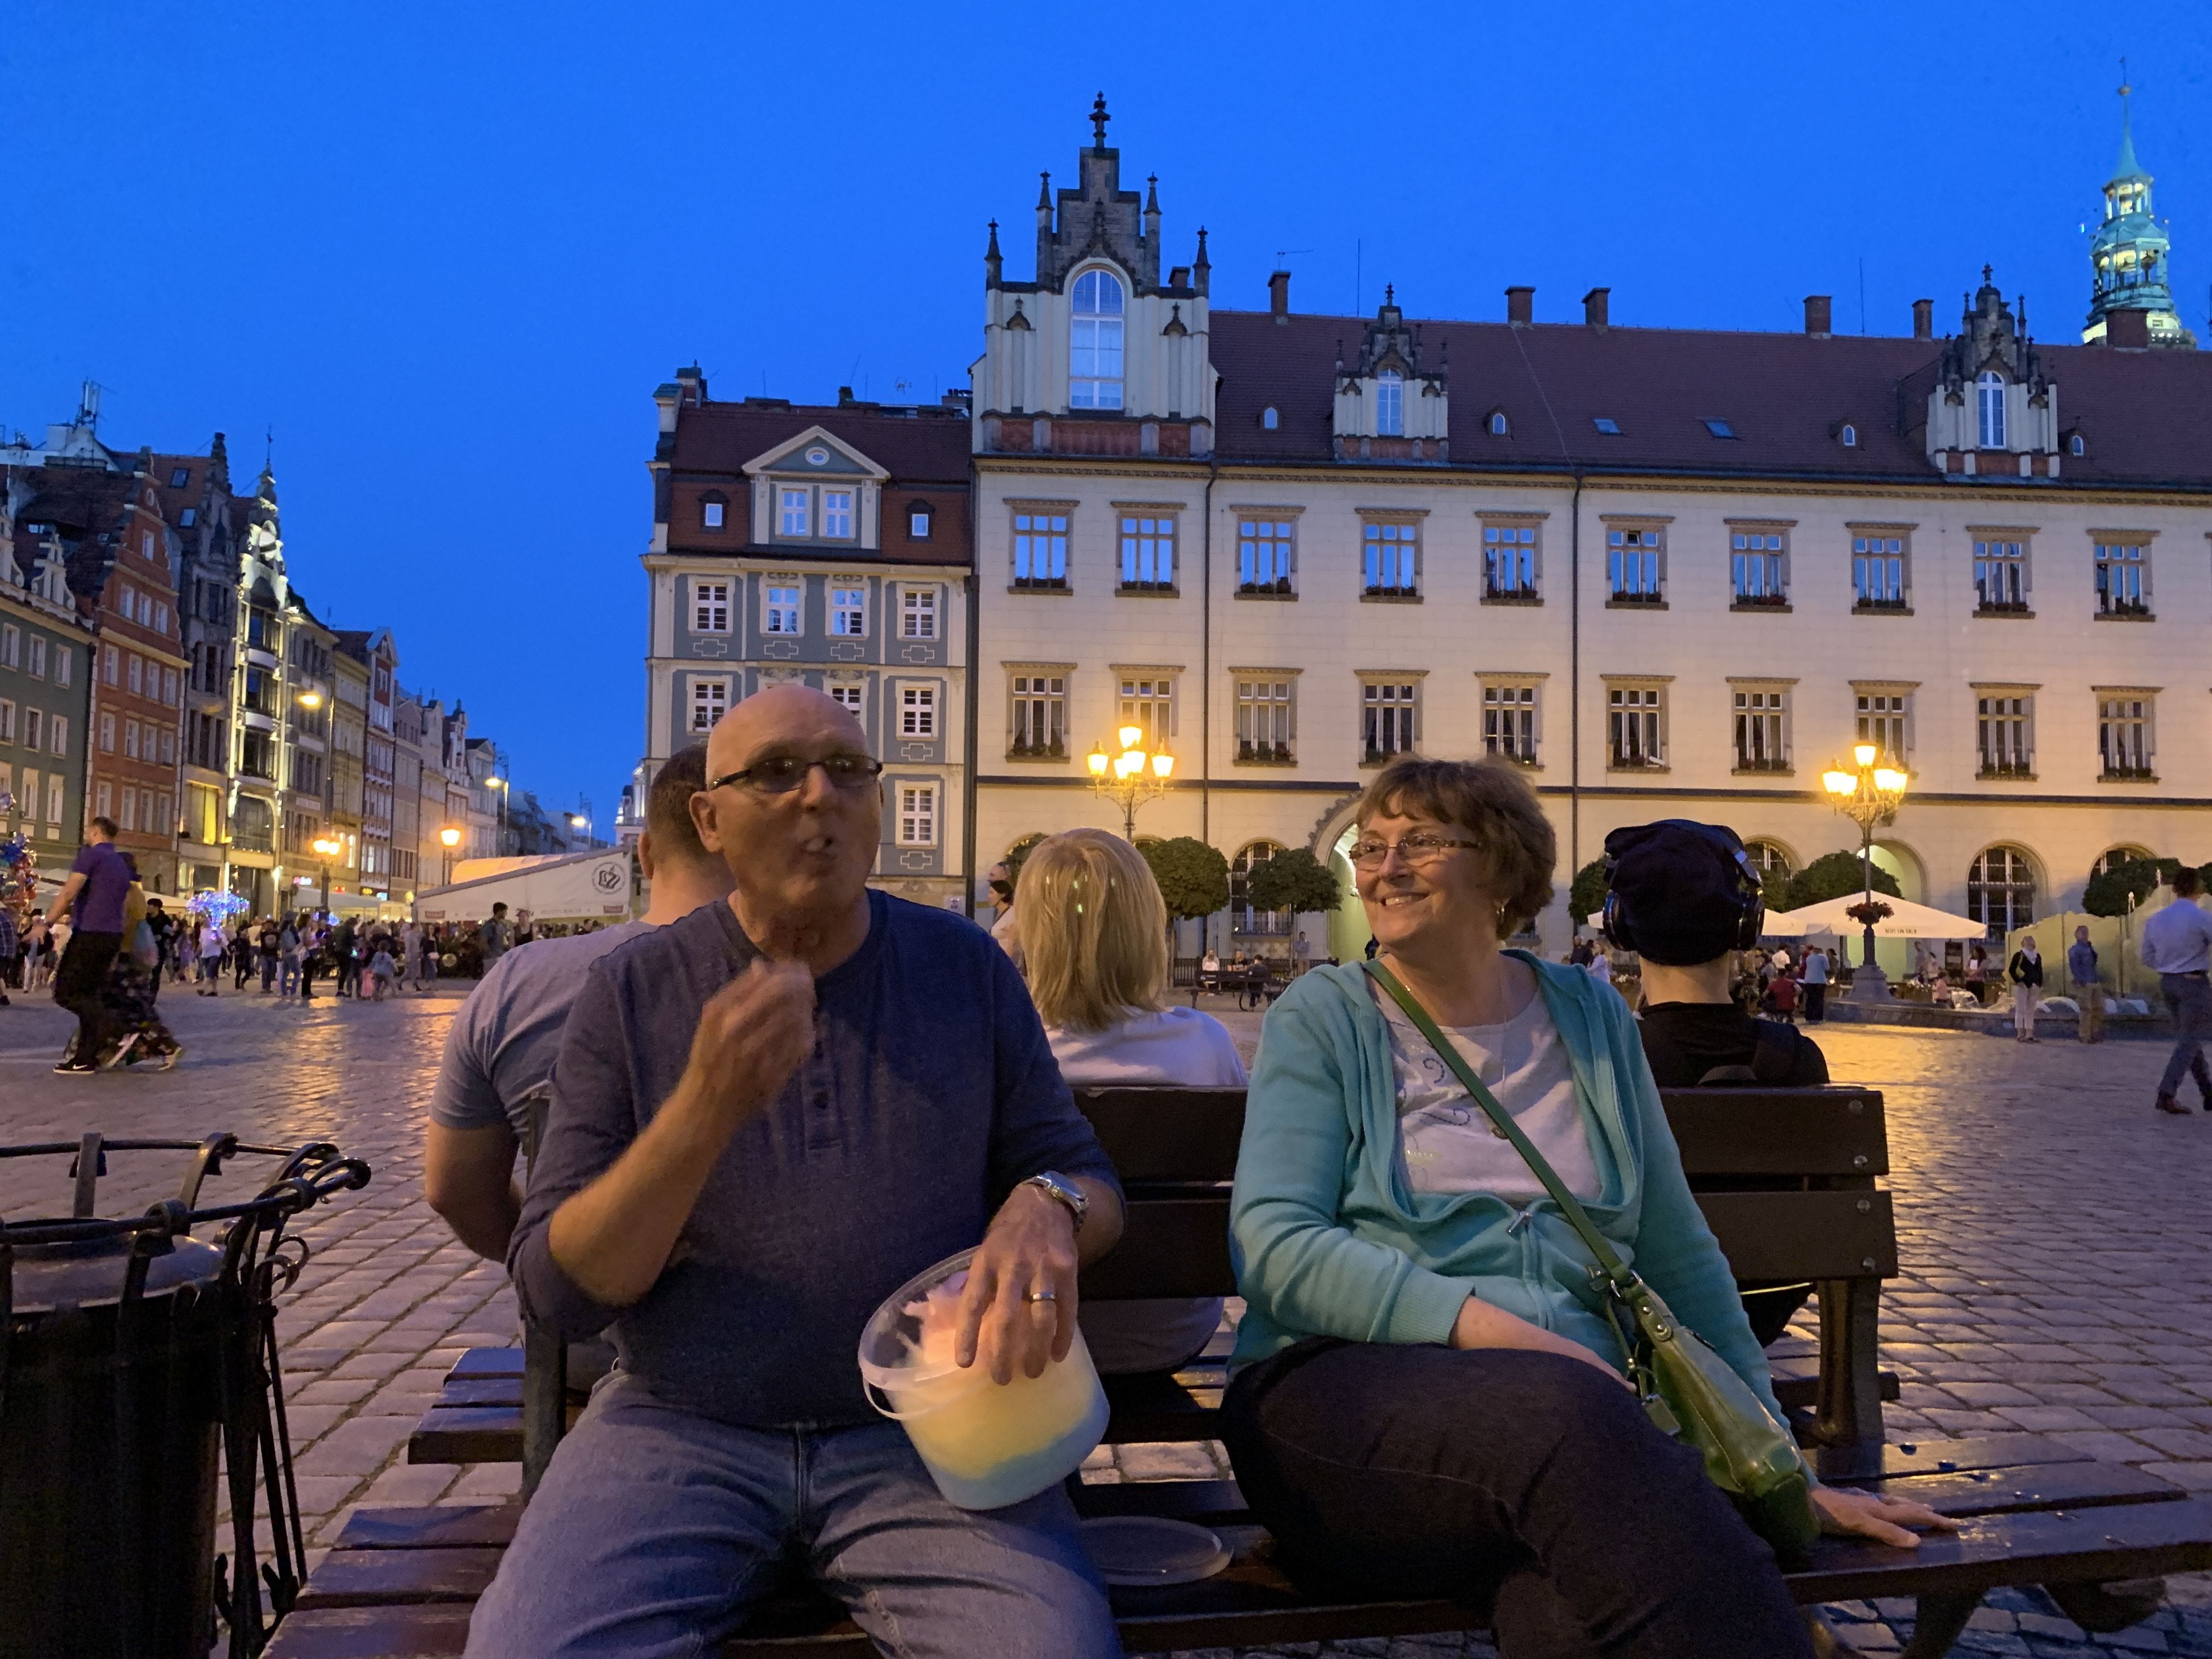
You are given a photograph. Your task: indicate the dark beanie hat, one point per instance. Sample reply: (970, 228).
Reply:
(1679, 889)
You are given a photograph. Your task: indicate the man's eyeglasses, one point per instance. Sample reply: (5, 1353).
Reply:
(779, 775)
(1418, 848)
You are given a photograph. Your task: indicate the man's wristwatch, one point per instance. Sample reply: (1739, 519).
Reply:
(1062, 1190)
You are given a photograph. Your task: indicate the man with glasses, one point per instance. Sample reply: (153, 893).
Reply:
(768, 1116)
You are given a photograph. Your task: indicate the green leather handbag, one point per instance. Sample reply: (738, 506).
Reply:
(1688, 1389)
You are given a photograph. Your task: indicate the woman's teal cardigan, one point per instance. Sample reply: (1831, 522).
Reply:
(1329, 1241)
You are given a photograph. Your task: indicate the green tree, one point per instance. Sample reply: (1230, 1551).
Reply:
(1294, 880)
(1194, 878)
(1018, 854)
(2107, 894)
(1587, 896)
(1832, 875)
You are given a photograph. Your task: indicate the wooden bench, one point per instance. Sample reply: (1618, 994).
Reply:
(1786, 1179)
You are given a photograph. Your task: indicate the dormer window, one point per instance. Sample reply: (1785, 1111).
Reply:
(188, 517)
(1269, 419)
(1848, 436)
(1989, 402)
(837, 514)
(795, 513)
(1720, 428)
(179, 476)
(1094, 342)
(2076, 445)
(917, 522)
(710, 512)
(1606, 424)
(1498, 426)
(1389, 404)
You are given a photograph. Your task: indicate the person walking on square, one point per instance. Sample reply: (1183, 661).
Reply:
(241, 956)
(2025, 970)
(99, 883)
(1815, 984)
(11, 944)
(2177, 946)
(498, 935)
(2089, 991)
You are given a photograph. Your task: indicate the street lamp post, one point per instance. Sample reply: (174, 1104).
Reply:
(1868, 794)
(1132, 777)
(452, 838)
(326, 849)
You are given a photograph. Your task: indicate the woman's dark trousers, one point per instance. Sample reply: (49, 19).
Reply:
(1525, 1483)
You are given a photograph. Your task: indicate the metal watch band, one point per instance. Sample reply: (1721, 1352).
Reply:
(1061, 1190)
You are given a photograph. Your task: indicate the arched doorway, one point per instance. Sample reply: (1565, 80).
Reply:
(1904, 866)
(1348, 931)
(2001, 889)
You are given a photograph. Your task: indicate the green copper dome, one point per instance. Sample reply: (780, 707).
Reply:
(2128, 254)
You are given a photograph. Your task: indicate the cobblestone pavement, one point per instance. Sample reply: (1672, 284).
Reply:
(2052, 1229)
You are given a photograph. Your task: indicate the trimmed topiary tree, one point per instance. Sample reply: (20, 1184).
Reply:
(1294, 880)
(2107, 894)
(1586, 897)
(1194, 878)
(1833, 876)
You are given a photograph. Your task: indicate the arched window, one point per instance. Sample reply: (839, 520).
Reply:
(1094, 342)
(2116, 856)
(1498, 429)
(1990, 398)
(1773, 863)
(2000, 890)
(1848, 436)
(1389, 404)
(1243, 919)
(2076, 445)
(1269, 418)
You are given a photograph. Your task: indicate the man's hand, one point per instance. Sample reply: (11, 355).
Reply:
(1031, 1247)
(753, 1034)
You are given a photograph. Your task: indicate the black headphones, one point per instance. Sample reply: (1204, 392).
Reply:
(1751, 903)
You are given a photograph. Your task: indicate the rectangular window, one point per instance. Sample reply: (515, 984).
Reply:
(1264, 547)
(63, 655)
(57, 735)
(1878, 573)
(103, 801)
(1387, 709)
(169, 687)
(2000, 575)
(779, 610)
(1148, 555)
(53, 802)
(918, 613)
(130, 739)
(1881, 723)
(8, 804)
(1392, 565)
(110, 663)
(710, 700)
(168, 747)
(1040, 716)
(106, 734)
(1634, 734)
(1508, 721)
(2003, 736)
(837, 514)
(128, 809)
(1263, 719)
(1756, 568)
(795, 512)
(134, 676)
(1759, 732)
(160, 617)
(34, 728)
(710, 607)
(848, 613)
(129, 597)
(1150, 703)
(710, 513)
(161, 820)
(1509, 562)
(917, 524)
(917, 815)
(2123, 579)
(917, 711)
(2124, 734)
(1632, 563)
(36, 668)
(11, 646)
(1040, 550)
(847, 694)
(7, 722)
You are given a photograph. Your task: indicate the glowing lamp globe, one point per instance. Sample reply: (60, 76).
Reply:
(1131, 736)
(1840, 783)
(1865, 754)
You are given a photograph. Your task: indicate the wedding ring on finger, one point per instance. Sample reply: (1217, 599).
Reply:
(1040, 1295)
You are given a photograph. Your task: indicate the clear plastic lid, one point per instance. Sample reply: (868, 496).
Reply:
(1144, 1549)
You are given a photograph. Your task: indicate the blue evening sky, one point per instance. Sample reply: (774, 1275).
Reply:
(446, 252)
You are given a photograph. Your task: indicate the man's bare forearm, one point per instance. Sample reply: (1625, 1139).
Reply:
(614, 1237)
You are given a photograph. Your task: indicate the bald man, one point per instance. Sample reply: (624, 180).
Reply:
(766, 1117)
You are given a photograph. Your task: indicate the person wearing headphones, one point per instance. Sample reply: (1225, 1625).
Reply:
(1685, 896)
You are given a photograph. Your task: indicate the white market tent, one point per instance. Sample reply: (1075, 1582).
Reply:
(577, 887)
(1906, 921)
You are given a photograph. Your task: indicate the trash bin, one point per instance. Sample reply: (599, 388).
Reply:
(134, 1352)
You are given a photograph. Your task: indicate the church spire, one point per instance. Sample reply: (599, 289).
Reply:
(2128, 255)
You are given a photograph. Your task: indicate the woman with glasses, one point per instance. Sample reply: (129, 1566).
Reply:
(1094, 933)
(1429, 1399)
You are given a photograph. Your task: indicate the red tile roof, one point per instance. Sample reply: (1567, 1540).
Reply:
(2147, 415)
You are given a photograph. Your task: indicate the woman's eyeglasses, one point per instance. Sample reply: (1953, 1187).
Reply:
(1418, 848)
(779, 775)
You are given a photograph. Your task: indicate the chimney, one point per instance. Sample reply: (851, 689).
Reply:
(1278, 295)
(1520, 307)
(1924, 320)
(1817, 307)
(2130, 331)
(1594, 304)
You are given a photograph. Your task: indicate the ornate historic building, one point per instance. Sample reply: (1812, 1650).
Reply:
(2132, 296)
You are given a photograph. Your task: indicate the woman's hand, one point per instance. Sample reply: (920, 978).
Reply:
(1847, 1514)
(1480, 1325)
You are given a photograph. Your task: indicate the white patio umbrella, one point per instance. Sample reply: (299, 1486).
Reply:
(1906, 920)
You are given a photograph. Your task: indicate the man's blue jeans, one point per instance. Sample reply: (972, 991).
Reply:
(2189, 999)
(655, 1531)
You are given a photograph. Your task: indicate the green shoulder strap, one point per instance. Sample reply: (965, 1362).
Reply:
(1615, 1269)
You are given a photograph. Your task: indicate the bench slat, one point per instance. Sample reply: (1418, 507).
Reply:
(2045, 1486)
(433, 1631)
(431, 1526)
(1803, 1235)
(1789, 1132)
(1167, 1133)
(369, 1578)
(467, 1434)
(1857, 1465)
(487, 1362)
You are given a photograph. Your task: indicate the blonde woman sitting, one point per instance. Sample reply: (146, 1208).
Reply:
(1094, 933)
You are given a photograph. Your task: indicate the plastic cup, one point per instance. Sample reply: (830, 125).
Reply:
(986, 1444)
